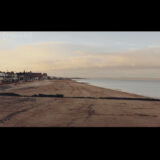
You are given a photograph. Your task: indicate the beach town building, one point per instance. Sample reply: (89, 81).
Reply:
(45, 76)
(2, 76)
(38, 76)
(35, 76)
(10, 77)
(25, 76)
(29, 76)
(21, 76)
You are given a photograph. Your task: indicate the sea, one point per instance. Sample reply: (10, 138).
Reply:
(149, 88)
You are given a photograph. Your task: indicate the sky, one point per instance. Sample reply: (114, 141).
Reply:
(82, 54)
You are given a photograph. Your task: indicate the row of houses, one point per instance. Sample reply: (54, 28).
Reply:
(21, 76)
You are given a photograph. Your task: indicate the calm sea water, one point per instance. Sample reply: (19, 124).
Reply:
(150, 88)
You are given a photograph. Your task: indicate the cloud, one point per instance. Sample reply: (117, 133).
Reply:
(50, 56)
(153, 46)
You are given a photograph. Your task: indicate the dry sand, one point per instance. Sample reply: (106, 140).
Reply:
(74, 112)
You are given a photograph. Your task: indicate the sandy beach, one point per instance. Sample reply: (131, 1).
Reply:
(74, 112)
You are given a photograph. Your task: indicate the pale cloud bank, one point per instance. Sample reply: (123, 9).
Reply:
(50, 56)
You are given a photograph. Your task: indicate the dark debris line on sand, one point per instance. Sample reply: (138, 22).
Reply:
(62, 96)
(9, 94)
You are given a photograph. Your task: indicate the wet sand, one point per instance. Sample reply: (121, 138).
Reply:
(74, 112)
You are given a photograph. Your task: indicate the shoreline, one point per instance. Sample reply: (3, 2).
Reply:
(113, 89)
(5, 87)
(121, 90)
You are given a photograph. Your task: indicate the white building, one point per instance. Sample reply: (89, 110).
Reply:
(10, 77)
(2, 76)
